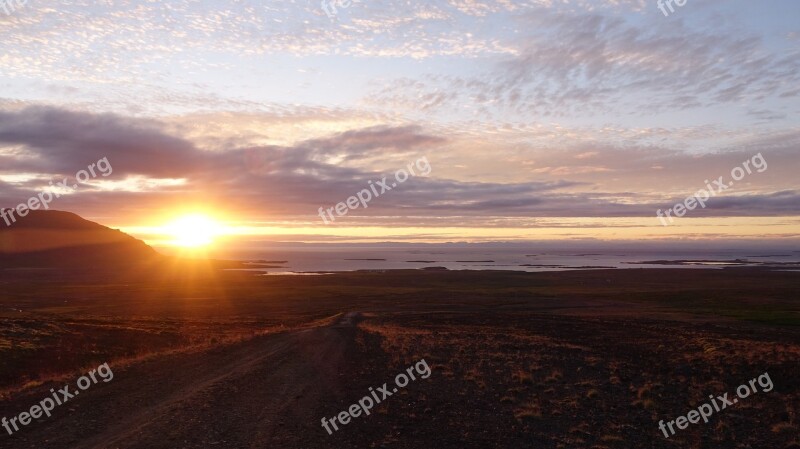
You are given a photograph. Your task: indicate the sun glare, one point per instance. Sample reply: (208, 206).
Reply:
(193, 231)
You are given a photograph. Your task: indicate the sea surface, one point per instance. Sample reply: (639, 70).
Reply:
(315, 259)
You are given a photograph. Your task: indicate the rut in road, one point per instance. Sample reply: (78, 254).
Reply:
(264, 392)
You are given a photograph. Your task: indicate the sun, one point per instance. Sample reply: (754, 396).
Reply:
(193, 231)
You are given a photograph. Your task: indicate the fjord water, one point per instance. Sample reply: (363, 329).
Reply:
(292, 258)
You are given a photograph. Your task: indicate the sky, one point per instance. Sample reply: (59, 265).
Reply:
(527, 120)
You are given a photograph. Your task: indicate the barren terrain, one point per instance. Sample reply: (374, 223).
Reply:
(553, 360)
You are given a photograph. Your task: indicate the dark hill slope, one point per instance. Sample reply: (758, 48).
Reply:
(55, 239)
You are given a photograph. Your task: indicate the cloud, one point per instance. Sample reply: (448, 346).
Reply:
(153, 168)
(64, 141)
(580, 63)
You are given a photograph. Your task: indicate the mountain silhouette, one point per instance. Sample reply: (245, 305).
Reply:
(56, 239)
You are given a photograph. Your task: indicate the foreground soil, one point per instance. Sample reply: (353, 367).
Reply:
(550, 360)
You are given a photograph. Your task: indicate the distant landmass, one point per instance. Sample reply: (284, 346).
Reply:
(56, 239)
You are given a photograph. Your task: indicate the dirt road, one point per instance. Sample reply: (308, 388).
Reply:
(266, 392)
(578, 360)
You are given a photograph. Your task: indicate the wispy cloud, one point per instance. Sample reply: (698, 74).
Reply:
(539, 108)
